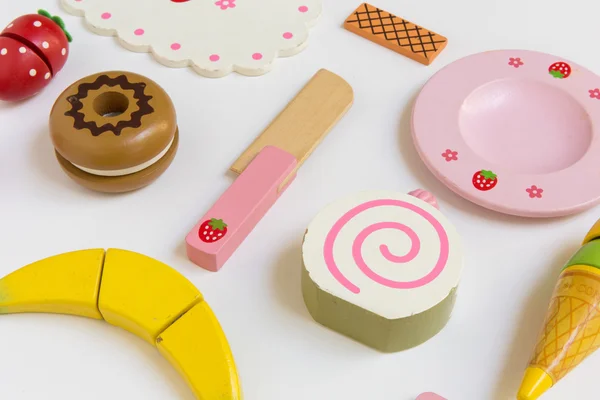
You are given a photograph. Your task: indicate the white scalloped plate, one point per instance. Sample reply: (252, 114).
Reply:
(214, 37)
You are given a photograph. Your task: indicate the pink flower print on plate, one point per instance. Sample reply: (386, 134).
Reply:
(515, 62)
(595, 94)
(450, 155)
(225, 4)
(535, 192)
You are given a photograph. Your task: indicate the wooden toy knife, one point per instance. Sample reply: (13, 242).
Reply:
(267, 167)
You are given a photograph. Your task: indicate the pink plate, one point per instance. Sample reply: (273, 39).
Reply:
(514, 131)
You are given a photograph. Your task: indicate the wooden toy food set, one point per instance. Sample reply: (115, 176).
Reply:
(33, 49)
(514, 131)
(571, 331)
(267, 168)
(142, 296)
(395, 33)
(114, 131)
(380, 267)
(213, 37)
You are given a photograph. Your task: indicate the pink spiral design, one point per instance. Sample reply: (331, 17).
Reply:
(362, 236)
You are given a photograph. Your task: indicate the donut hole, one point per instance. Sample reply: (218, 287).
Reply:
(111, 104)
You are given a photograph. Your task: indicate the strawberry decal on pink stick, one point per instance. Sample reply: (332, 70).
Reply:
(485, 180)
(212, 230)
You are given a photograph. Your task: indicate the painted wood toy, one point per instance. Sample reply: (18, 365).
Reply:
(430, 396)
(468, 117)
(215, 38)
(351, 281)
(136, 293)
(114, 131)
(267, 167)
(395, 33)
(33, 49)
(571, 330)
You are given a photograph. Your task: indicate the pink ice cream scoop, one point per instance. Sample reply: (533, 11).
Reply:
(430, 396)
(427, 197)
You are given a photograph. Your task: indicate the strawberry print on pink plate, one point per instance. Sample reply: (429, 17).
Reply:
(214, 37)
(537, 122)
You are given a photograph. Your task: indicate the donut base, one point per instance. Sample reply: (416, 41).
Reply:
(380, 333)
(124, 183)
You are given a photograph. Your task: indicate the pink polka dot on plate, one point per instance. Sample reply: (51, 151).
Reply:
(214, 57)
(175, 46)
(257, 56)
(303, 9)
(139, 32)
(106, 15)
(288, 35)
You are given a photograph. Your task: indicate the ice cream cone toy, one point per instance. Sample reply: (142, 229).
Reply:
(572, 327)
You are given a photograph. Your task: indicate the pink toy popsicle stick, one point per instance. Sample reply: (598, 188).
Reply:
(430, 396)
(210, 244)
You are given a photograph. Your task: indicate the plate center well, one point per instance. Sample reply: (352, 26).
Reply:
(525, 126)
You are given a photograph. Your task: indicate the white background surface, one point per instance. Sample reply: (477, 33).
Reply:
(511, 263)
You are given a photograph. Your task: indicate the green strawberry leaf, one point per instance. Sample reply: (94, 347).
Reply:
(45, 13)
(217, 224)
(488, 174)
(557, 74)
(58, 21)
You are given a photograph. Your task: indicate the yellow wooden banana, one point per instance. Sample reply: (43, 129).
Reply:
(140, 295)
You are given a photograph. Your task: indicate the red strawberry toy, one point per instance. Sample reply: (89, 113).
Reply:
(560, 70)
(33, 48)
(212, 230)
(485, 180)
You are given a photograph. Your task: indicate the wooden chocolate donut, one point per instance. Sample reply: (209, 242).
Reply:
(382, 268)
(114, 131)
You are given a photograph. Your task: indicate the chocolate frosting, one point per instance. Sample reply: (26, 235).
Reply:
(121, 81)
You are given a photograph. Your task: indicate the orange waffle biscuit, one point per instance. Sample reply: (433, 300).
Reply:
(395, 33)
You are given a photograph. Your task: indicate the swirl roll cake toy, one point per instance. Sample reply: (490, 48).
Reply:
(114, 131)
(140, 295)
(33, 49)
(571, 330)
(382, 268)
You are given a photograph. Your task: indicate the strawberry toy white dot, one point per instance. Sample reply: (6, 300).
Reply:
(31, 49)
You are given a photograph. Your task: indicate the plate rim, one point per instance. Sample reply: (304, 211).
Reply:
(484, 199)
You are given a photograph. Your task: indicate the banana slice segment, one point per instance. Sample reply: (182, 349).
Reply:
(64, 284)
(143, 295)
(140, 295)
(196, 347)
